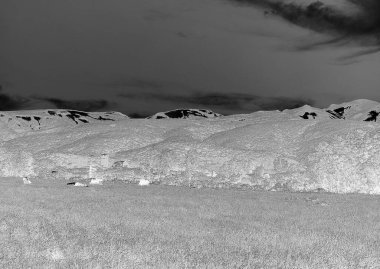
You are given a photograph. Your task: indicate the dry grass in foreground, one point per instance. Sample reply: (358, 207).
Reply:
(127, 226)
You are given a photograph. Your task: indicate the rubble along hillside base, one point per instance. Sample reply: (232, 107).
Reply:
(272, 150)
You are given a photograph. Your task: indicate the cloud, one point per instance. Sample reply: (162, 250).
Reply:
(225, 103)
(84, 105)
(9, 102)
(138, 115)
(157, 15)
(348, 58)
(244, 102)
(363, 25)
(136, 83)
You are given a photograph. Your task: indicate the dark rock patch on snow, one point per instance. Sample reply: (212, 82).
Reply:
(81, 116)
(102, 118)
(307, 114)
(24, 118)
(372, 116)
(72, 117)
(185, 114)
(178, 114)
(338, 113)
(77, 113)
(37, 119)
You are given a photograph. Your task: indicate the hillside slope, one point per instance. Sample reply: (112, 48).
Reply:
(269, 150)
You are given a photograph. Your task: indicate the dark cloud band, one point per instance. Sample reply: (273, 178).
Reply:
(225, 103)
(83, 105)
(10, 102)
(363, 25)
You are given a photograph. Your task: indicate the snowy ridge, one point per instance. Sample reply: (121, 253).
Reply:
(31, 120)
(272, 150)
(185, 114)
(362, 110)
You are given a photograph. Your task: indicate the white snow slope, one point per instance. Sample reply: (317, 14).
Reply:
(335, 150)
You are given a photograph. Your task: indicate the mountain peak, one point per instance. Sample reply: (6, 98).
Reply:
(26, 120)
(185, 114)
(360, 109)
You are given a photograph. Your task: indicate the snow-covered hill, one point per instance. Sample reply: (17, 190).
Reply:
(362, 110)
(31, 120)
(185, 114)
(268, 150)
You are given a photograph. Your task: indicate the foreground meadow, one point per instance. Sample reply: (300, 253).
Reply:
(128, 226)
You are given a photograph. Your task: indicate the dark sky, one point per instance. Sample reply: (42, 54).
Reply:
(144, 56)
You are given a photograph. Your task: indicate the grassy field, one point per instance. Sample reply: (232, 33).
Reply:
(128, 226)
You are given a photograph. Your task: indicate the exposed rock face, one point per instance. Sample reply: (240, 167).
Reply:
(185, 114)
